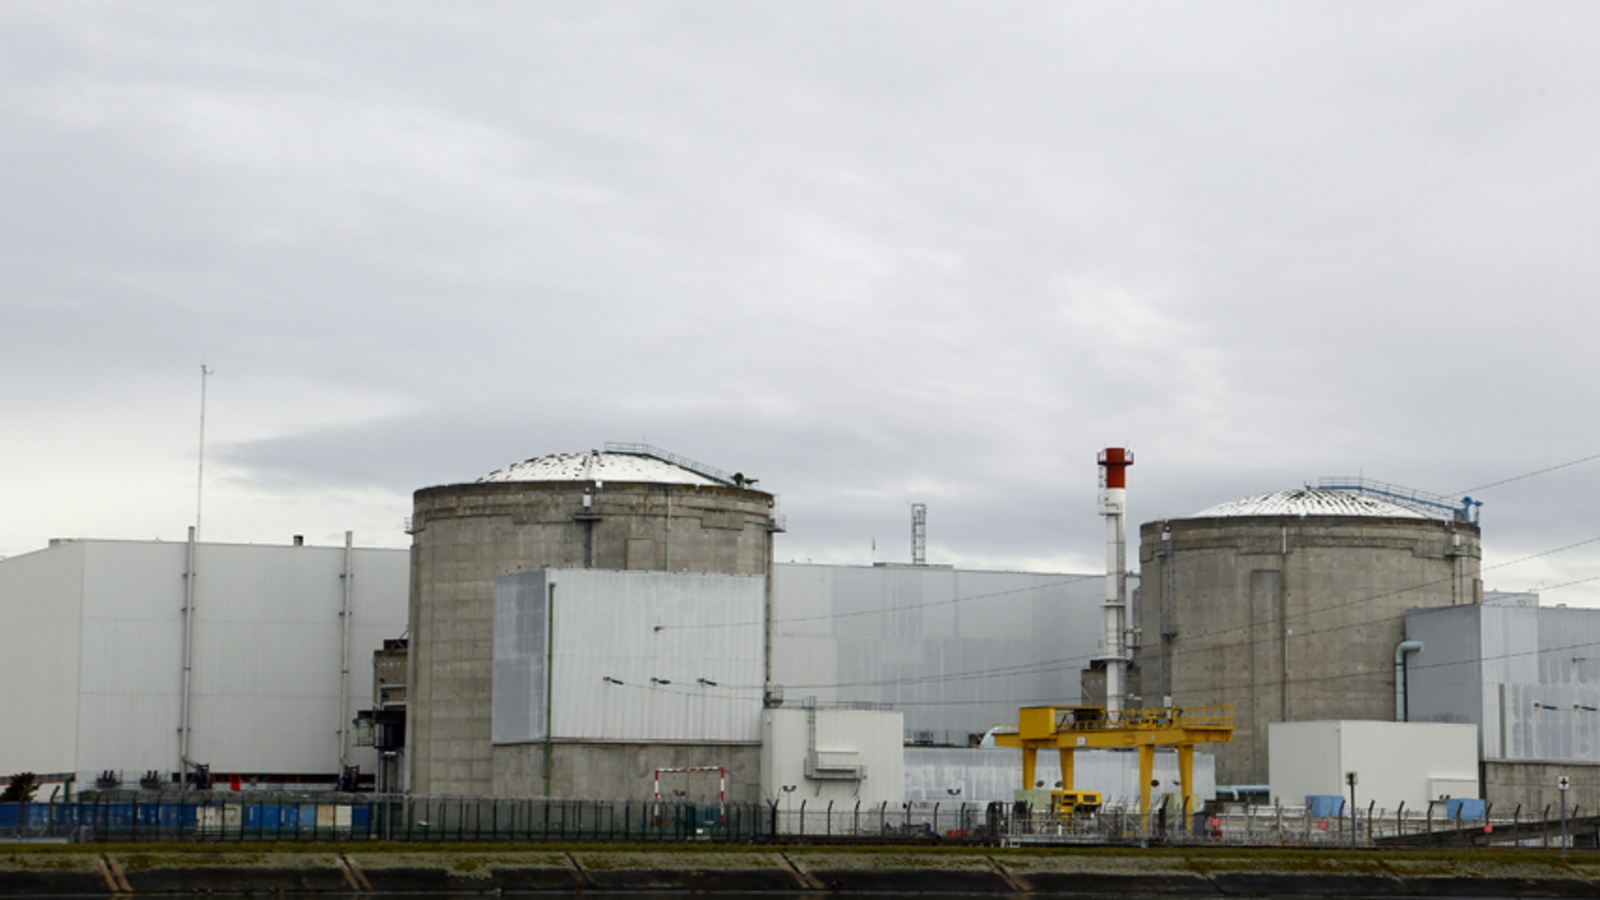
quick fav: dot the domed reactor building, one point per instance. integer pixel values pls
(630, 507)
(1290, 606)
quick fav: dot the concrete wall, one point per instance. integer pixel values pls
(624, 771)
(1533, 785)
(1394, 762)
(1289, 618)
(466, 535)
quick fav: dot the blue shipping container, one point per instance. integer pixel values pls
(1468, 809)
(1324, 806)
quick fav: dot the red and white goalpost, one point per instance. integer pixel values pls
(722, 787)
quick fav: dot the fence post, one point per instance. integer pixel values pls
(802, 818)
(828, 825)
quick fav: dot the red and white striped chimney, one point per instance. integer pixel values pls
(1114, 463)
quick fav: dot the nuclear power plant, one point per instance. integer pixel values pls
(575, 625)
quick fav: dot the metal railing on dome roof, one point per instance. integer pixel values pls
(1434, 505)
(727, 479)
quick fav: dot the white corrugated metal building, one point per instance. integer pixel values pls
(637, 656)
(1529, 678)
(92, 665)
(957, 651)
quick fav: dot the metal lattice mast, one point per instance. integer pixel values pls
(919, 534)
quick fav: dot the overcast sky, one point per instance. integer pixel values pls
(872, 253)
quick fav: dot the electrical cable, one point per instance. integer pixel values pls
(1493, 484)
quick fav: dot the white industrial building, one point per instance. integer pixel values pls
(1394, 762)
(1528, 678)
(828, 757)
(655, 670)
(957, 651)
(92, 677)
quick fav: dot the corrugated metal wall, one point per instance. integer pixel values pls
(1534, 673)
(956, 651)
(41, 606)
(638, 656)
(266, 661)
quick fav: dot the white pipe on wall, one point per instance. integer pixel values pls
(1401, 713)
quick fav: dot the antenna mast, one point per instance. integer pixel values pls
(919, 534)
(200, 475)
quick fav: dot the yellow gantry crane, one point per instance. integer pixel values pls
(1067, 729)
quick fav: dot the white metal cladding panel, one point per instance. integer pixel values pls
(520, 610)
(1444, 680)
(41, 606)
(957, 651)
(1396, 761)
(1510, 644)
(1552, 722)
(267, 661)
(673, 627)
(1303, 759)
(1569, 645)
(873, 736)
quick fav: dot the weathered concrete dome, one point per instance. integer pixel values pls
(1309, 502)
(598, 466)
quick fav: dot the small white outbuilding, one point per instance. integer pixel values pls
(1394, 762)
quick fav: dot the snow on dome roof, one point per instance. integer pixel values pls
(1309, 502)
(597, 466)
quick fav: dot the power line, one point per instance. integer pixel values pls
(1484, 487)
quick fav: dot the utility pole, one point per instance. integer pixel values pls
(1564, 784)
(1350, 779)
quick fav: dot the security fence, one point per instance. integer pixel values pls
(263, 816)
(251, 816)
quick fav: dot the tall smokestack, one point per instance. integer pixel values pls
(1114, 462)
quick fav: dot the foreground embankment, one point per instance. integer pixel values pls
(376, 868)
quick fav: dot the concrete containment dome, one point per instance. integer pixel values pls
(597, 466)
(629, 507)
(1289, 606)
(1309, 502)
